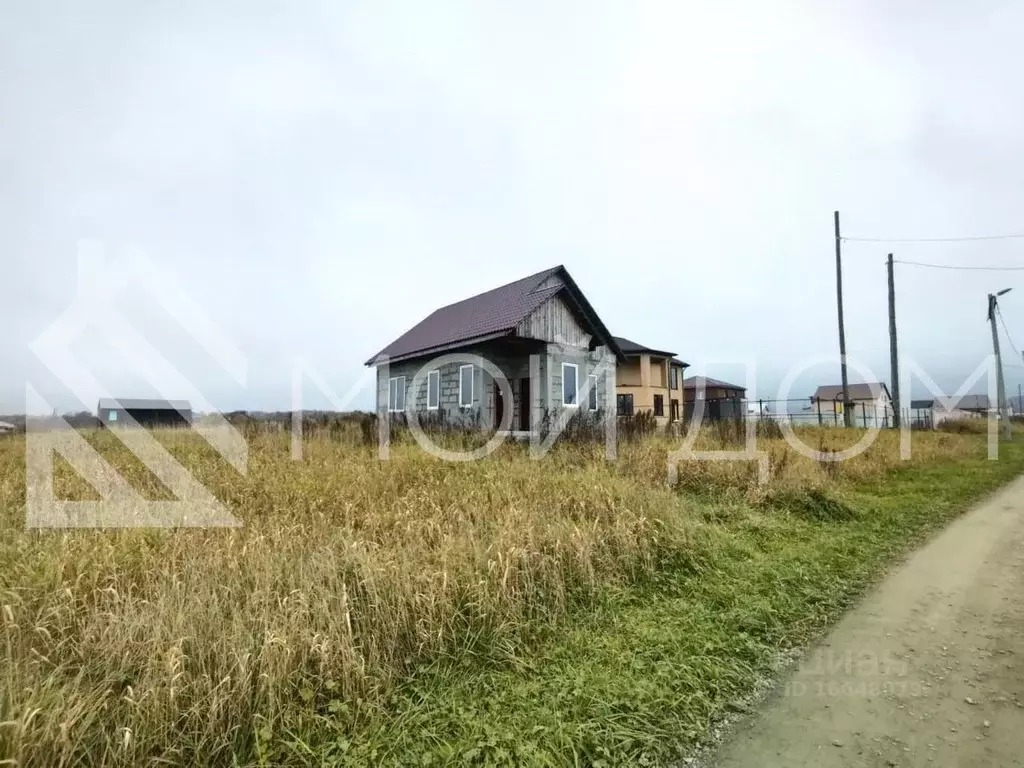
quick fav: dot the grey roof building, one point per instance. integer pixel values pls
(706, 382)
(870, 390)
(545, 314)
(143, 412)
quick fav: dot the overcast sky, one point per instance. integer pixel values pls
(320, 176)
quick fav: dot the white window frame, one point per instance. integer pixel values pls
(436, 376)
(576, 378)
(472, 385)
(592, 395)
(392, 407)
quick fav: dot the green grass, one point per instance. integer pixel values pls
(638, 680)
(413, 612)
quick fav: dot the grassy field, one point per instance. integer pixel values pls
(507, 611)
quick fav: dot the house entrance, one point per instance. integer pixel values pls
(524, 405)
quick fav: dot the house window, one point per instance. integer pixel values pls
(592, 395)
(674, 414)
(433, 390)
(674, 378)
(465, 386)
(624, 405)
(396, 394)
(659, 405)
(111, 415)
(570, 385)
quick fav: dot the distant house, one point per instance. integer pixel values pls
(934, 411)
(120, 412)
(975, 404)
(6, 426)
(721, 399)
(922, 413)
(648, 379)
(545, 314)
(870, 403)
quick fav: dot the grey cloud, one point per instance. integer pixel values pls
(321, 175)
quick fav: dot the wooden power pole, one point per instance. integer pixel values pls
(1000, 388)
(894, 359)
(847, 416)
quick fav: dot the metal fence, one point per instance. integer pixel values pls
(802, 411)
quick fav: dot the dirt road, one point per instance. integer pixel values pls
(929, 670)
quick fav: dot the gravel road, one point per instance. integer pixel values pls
(928, 670)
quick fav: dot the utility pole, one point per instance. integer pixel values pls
(894, 360)
(847, 417)
(1000, 390)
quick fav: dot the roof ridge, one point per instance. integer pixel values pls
(492, 312)
(542, 274)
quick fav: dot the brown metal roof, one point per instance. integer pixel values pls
(708, 383)
(632, 349)
(489, 314)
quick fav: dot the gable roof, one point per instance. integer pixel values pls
(143, 404)
(868, 390)
(708, 383)
(972, 403)
(632, 349)
(490, 314)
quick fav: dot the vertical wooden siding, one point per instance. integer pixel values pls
(554, 321)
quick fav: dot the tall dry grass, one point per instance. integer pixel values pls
(196, 646)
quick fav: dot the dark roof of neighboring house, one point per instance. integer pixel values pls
(965, 403)
(488, 315)
(708, 383)
(632, 349)
(972, 403)
(143, 404)
(869, 390)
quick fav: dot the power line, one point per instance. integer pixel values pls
(1013, 236)
(1007, 331)
(956, 266)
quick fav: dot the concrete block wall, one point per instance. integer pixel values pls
(545, 390)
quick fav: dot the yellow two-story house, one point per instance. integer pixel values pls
(649, 380)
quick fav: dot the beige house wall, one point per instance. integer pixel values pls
(644, 377)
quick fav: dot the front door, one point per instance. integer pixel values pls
(499, 406)
(524, 405)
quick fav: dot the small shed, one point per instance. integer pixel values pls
(722, 400)
(922, 413)
(114, 412)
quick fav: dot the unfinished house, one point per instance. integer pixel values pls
(539, 333)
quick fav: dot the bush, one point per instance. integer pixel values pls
(637, 425)
(964, 426)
